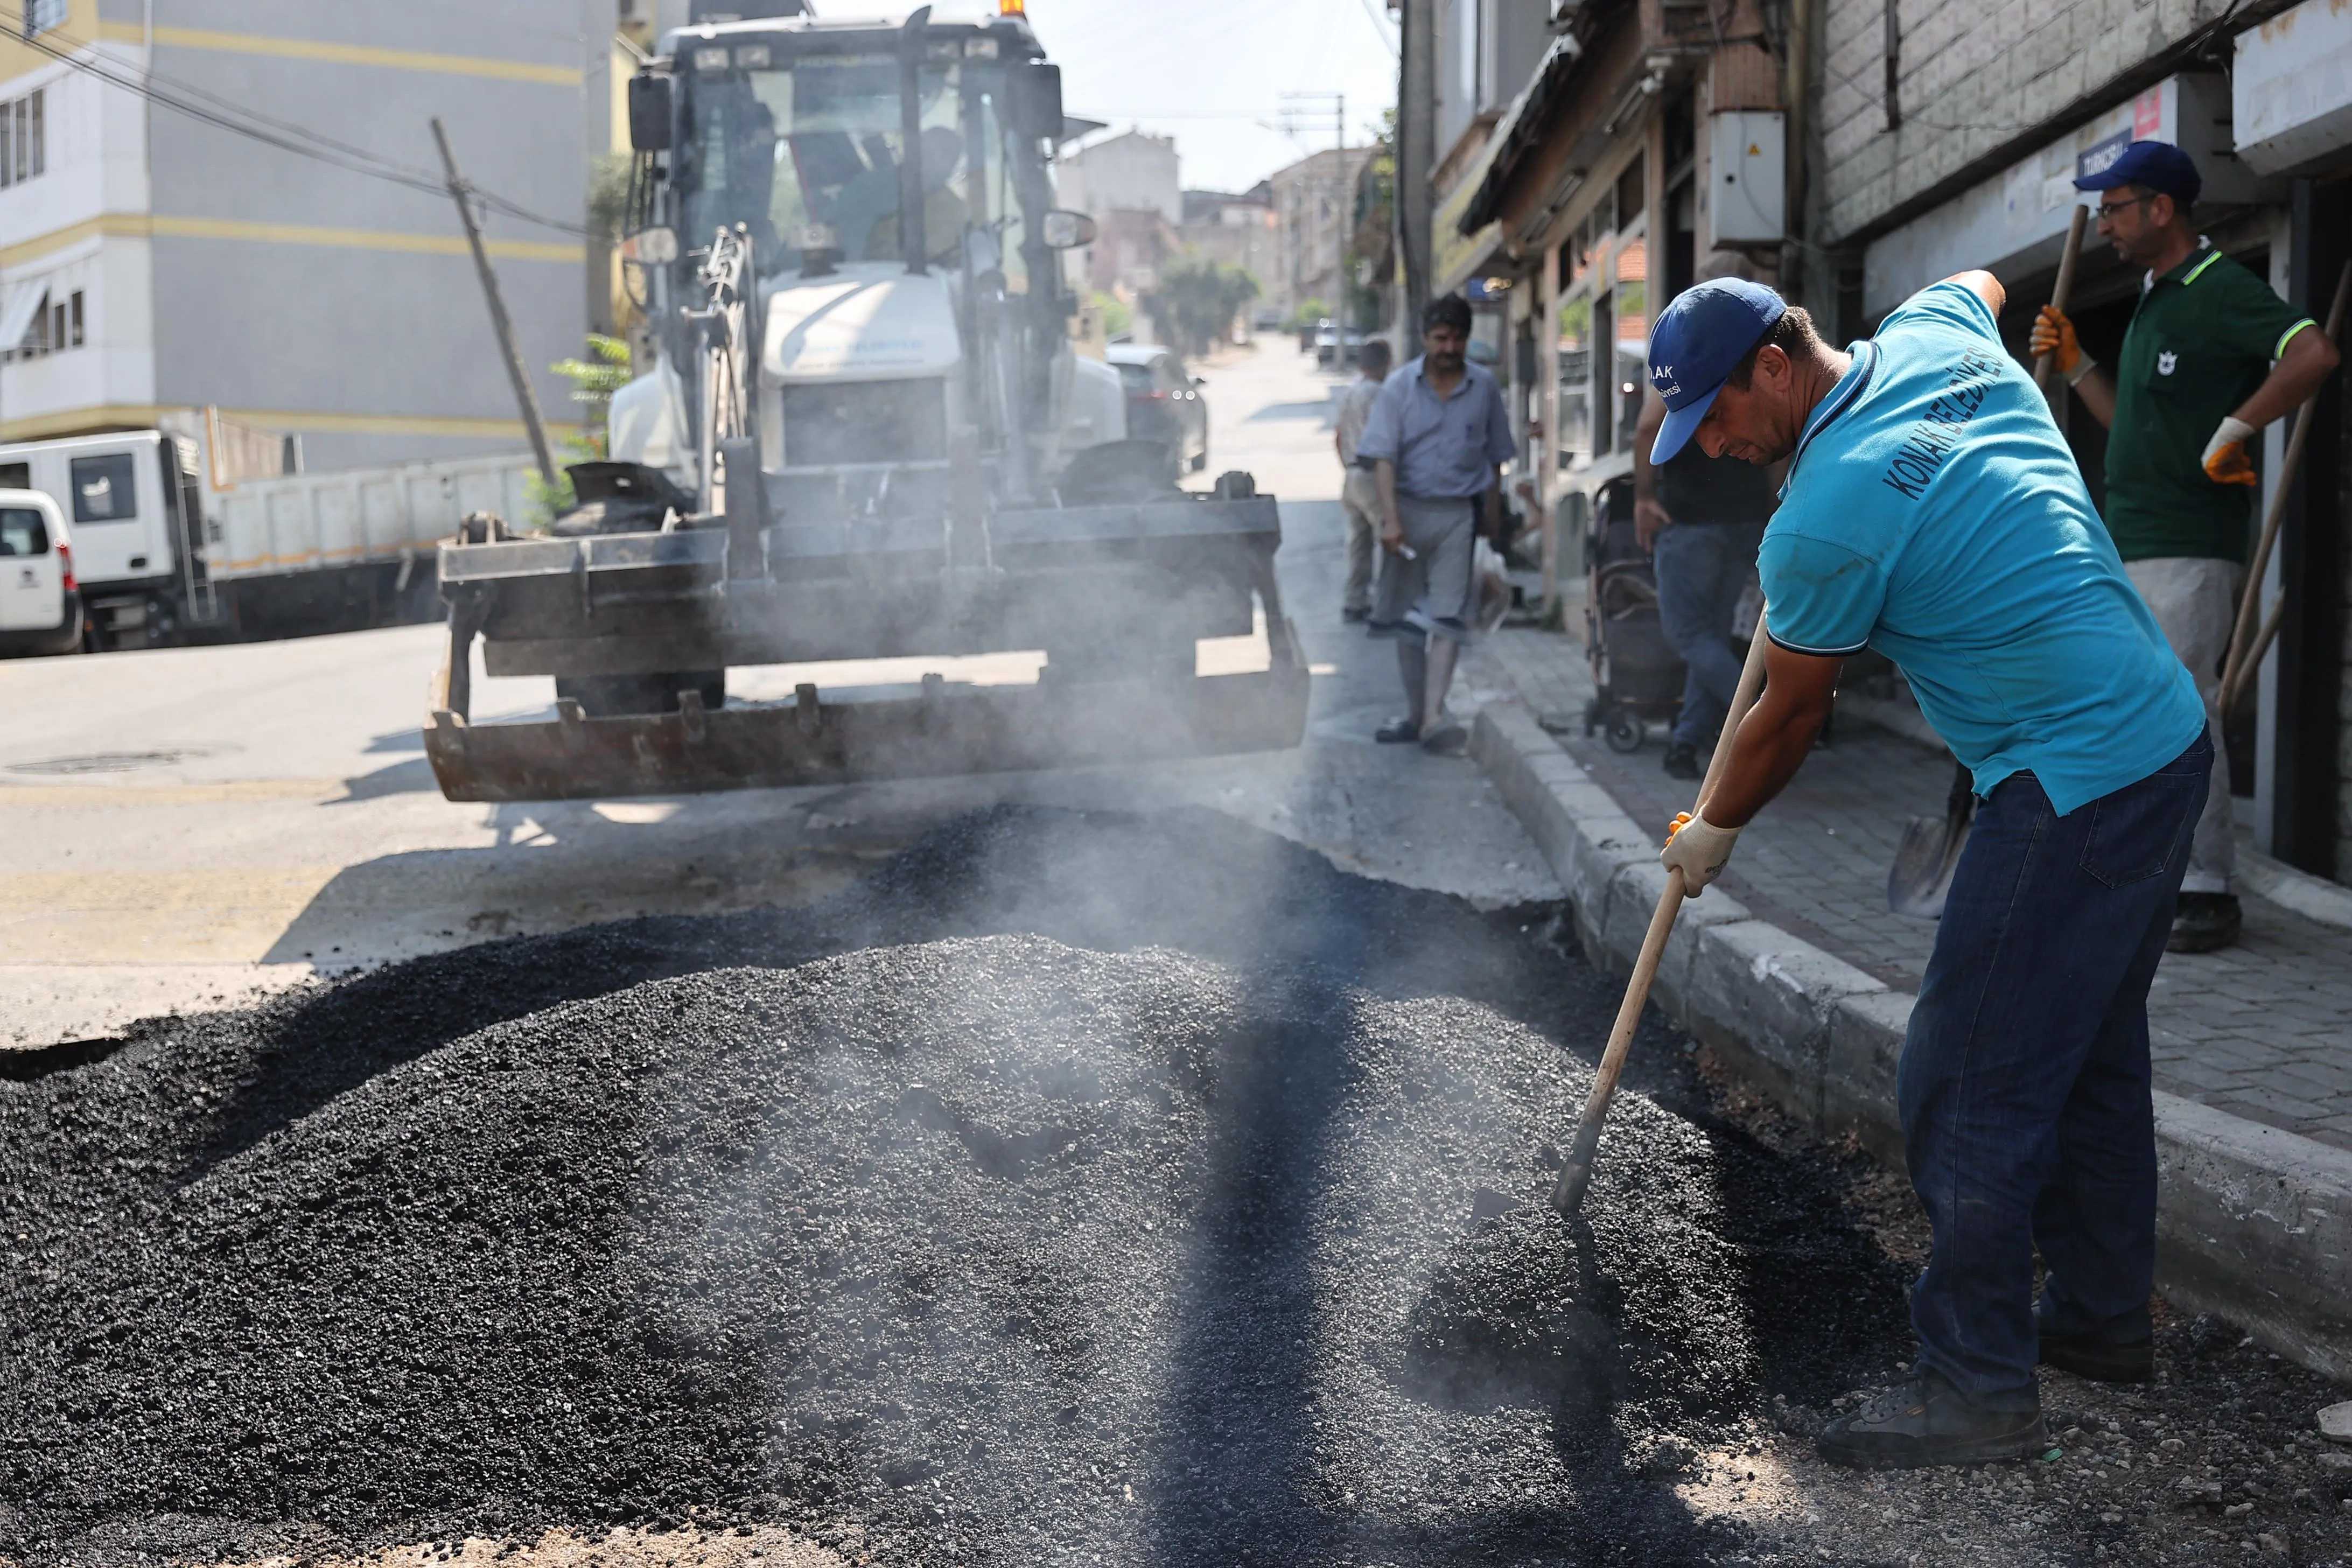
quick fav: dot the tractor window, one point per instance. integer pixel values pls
(103, 491)
(23, 531)
(818, 143)
(1004, 210)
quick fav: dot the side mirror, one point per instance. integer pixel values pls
(651, 246)
(1062, 229)
(1037, 100)
(649, 114)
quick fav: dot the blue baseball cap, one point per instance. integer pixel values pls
(2158, 165)
(1699, 340)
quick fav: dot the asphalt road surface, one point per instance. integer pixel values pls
(183, 827)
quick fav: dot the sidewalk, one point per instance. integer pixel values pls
(1795, 967)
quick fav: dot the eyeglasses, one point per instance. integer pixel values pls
(2109, 209)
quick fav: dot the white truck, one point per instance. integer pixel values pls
(166, 554)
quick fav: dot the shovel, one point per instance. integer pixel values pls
(1576, 1169)
(1921, 877)
(1930, 851)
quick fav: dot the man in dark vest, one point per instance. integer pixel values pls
(1702, 519)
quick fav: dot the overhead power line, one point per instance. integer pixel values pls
(186, 98)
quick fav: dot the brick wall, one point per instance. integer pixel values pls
(1979, 82)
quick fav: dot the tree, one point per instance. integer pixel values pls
(1199, 298)
(1117, 320)
(594, 381)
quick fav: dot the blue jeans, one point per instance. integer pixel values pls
(2024, 1082)
(1701, 568)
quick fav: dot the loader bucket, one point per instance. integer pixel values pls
(946, 730)
(1119, 596)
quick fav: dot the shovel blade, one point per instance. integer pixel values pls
(1921, 878)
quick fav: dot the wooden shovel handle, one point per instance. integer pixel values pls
(2045, 365)
(1576, 1172)
(2237, 670)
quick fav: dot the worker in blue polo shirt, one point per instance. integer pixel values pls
(1933, 511)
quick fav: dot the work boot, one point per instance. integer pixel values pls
(2121, 1351)
(1682, 761)
(1925, 1420)
(2203, 922)
(1355, 612)
(1397, 732)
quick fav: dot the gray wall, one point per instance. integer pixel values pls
(1972, 81)
(329, 329)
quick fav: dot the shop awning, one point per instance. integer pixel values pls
(1456, 255)
(17, 311)
(1518, 132)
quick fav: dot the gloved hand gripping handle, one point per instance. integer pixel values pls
(1576, 1173)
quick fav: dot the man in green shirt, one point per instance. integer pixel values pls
(2211, 356)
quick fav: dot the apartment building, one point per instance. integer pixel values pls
(155, 260)
(1315, 217)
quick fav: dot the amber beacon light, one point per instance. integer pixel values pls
(1013, 7)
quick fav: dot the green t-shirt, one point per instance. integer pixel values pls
(2201, 342)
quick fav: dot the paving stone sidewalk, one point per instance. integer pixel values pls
(2261, 1030)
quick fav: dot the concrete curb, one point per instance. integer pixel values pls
(2254, 1224)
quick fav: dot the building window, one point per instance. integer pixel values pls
(23, 138)
(43, 14)
(55, 325)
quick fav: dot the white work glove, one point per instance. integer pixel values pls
(1699, 849)
(2225, 458)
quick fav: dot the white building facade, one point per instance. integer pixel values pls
(1132, 172)
(152, 261)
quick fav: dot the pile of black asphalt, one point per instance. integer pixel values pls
(1077, 1188)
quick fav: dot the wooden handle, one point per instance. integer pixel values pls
(2063, 289)
(1576, 1173)
(2234, 669)
(2234, 689)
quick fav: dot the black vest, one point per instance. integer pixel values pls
(1696, 489)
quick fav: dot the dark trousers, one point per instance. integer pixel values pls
(1701, 568)
(2024, 1082)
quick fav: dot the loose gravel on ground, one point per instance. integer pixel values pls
(1077, 1189)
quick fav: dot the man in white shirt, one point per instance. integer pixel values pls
(1360, 488)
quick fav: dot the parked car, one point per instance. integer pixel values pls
(1163, 402)
(1334, 348)
(40, 602)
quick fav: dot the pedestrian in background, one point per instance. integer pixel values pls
(2194, 383)
(1359, 487)
(1701, 519)
(1438, 435)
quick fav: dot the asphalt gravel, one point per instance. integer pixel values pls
(1079, 1188)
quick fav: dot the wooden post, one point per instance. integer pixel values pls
(500, 324)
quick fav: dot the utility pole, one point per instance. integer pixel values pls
(500, 324)
(1309, 104)
(1416, 153)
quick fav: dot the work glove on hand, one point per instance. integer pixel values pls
(2226, 462)
(1700, 848)
(2053, 335)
